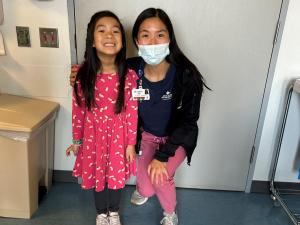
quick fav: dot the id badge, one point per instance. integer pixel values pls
(140, 94)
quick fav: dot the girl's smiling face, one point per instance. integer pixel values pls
(152, 31)
(107, 37)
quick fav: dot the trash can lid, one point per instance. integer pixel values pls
(19, 113)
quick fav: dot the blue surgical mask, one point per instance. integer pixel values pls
(154, 54)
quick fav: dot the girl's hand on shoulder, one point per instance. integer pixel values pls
(74, 71)
(130, 153)
(72, 148)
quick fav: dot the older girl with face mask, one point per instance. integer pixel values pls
(171, 88)
(169, 93)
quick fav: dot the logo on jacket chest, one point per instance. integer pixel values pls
(167, 96)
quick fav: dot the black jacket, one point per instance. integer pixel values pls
(183, 128)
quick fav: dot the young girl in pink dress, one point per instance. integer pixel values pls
(104, 116)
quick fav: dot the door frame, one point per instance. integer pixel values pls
(267, 89)
(268, 85)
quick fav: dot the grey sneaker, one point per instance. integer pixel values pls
(137, 198)
(102, 219)
(114, 218)
(169, 219)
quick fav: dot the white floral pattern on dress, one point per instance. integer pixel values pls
(101, 158)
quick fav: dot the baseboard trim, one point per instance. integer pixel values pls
(256, 187)
(64, 176)
(264, 186)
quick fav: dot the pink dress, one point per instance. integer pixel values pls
(101, 159)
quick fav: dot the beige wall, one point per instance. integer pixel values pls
(39, 72)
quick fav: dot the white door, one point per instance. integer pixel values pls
(231, 43)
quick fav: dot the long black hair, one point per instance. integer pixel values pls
(91, 65)
(176, 56)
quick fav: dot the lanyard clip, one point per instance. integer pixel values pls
(140, 83)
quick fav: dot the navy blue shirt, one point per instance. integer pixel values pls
(156, 112)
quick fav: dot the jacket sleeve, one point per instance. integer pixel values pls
(78, 114)
(131, 108)
(185, 133)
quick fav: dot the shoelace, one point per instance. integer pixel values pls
(167, 220)
(101, 220)
(114, 220)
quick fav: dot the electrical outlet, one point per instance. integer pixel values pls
(23, 36)
(49, 37)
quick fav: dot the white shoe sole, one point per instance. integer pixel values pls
(139, 203)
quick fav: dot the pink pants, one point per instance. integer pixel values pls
(166, 192)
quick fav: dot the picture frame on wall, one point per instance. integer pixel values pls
(1, 13)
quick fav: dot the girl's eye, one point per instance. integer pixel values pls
(116, 31)
(101, 31)
(144, 35)
(161, 35)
